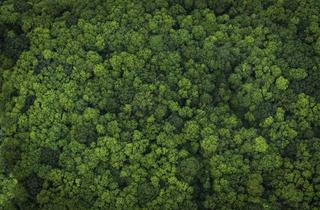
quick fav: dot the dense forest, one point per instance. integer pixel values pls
(159, 104)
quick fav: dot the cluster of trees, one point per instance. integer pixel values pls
(159, 104)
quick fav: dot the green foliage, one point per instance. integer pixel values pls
(168, 104)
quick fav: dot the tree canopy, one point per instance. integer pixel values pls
(159, 104)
